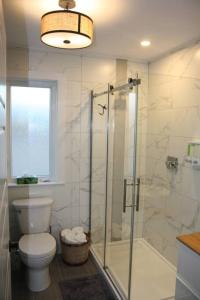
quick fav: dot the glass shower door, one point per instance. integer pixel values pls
(122, 186)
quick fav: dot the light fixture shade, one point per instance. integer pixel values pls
(66, 29)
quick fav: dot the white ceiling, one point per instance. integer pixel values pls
(120, 25)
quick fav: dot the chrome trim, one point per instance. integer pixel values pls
(131, 83)
(133, 194)
(91, 148)
(106, 202)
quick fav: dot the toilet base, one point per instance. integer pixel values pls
(38, 279)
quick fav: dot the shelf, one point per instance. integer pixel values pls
(51, 183)
(192, 241)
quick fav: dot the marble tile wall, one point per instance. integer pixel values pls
(172, 199)
(76, 76)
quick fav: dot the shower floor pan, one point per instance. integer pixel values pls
(153, 277)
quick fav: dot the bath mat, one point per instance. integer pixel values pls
(87, 288)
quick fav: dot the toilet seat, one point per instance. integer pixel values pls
(37, 245)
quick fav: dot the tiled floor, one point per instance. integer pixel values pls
(59, 272)
(153, 277)
(182, 293)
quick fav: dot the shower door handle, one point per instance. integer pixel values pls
(137, 205)
(124, 200)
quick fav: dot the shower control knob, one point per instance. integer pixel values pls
(172, 163)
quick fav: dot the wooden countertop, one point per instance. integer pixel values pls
(192, 241)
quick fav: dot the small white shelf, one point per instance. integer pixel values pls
(49, 183)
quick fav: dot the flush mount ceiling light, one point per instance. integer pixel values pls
(65, 28)
(145, 43)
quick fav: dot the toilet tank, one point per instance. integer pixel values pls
(33, 214)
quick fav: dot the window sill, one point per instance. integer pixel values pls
(51, 183)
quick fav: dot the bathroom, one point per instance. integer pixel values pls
(112, 136)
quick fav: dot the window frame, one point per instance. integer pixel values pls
(52, 85)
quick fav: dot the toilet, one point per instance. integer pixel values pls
(37, 247)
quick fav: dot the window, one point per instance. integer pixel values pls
(31, 129)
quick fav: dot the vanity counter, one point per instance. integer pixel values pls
(188, 269)
(191, 241)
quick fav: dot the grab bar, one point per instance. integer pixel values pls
(137, 205)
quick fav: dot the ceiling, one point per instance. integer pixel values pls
(120, 25)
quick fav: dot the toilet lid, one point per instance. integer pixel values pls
(38, 245)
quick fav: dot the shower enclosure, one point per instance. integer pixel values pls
(116, 200)
(114, 184)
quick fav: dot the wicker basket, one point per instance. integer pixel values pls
(75, 255)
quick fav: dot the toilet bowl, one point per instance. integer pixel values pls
(37, 251)
(36, 247)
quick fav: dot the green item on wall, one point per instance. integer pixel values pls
(27, 180)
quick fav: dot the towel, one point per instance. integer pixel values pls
(69, 241)
(74, 236)
(65, 232)
(80, 238)
(78, 230)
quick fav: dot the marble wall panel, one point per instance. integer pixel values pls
(172, 198)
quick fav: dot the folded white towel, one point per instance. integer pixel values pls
(80, 238)
(69, 241)
(65, 232)
(78, 230)
(74, 236)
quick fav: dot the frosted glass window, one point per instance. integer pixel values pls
(30, 130)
